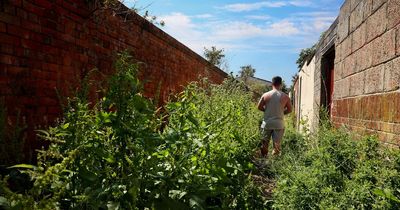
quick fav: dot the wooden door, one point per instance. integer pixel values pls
(331, 87)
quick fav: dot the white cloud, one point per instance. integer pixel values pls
(259, 17)
(240, 7)
(206, 30)
(237, 30)
(301, 3)
(204, 16)
(283, 28)
(178, 19)
(244, 7)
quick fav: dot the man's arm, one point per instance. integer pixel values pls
(288, 107)
(261, 104)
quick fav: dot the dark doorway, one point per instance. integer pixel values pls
(328, 79)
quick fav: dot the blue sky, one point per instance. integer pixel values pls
(267, 34)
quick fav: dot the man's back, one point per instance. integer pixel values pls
(275, 102)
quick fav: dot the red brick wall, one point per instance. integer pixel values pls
(367, 68)
(51, 44)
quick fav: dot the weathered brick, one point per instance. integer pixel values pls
(18, 31)
(348, 66)
(29, 6)
(388, 108)
(376, 24)
(368, 8)
(357, 108)
(17, 3)
(369, 111)
(396, 117)
(10, 19)
(338, 71)
(357, 83)
(384, 47)
(354, 4)
(9, 9)
(346, 46)
(393, 14)
(377, 107)
(346, 87)
(388, 127)
(374, 79)
(337, 93)
(22, 13)
(378, 3)
(359, 37)
(357, 61)
(343, 108)
(31, 26)
(392, 75)
(3, 27)
(396, 129)
(57, 53)
(363, 102)
(343, 28)
(398, 40)
(15, 71)
(339, 57)
(356, 16)
(44, 3)
(366, 56)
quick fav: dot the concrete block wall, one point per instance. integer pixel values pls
(49, 45)
(367, 68)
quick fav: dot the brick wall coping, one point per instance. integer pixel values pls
(330, 35)
(150, 27)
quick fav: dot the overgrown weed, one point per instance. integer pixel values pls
(332, 170)
(113, 154)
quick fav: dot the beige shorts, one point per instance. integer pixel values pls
(275, 134)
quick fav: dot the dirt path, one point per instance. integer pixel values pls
(263, 177)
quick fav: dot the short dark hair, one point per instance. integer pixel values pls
(277, 81)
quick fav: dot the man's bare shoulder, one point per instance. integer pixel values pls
(285, 96)
(267, 95)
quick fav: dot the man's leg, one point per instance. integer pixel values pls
(277, 136)
(266, 136)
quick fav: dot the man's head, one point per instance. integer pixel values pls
(277, 82)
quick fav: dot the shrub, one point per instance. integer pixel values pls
(122, 153)
(332, 170)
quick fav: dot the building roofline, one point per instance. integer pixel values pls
(264, 80)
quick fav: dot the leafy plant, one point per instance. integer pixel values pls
(121, 154)
(330, 170)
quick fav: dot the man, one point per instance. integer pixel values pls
(275, 104)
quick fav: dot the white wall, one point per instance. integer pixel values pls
(305, 99)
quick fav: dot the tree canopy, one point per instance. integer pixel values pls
(246, 72)
(214, 56)
(304, 55)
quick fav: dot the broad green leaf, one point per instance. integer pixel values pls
(25, 166)
(65, 126)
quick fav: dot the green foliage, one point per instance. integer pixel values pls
(11, 138)
(259, 88)
(246, 72)
(215, 56)
(121, 154)
(330, 170)
(305, 55)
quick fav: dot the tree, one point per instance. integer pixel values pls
(246, 72)
(305, 55)
(284, 87)
(215, 56)
(294, 79)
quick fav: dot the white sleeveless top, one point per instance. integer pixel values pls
(274, 112)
